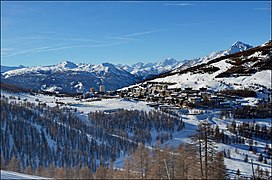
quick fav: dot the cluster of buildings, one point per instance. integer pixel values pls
(163, 92)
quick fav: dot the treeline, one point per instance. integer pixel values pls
(40, 136)
(251, 130)
(261, 110)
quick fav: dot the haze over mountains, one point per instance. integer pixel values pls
(70, 77)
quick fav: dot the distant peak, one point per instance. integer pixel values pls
(21, 66)
(168, 61)
(106, 64)
(68, 64)
(238, 42)
(238, 46)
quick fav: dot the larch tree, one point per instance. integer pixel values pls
(14, 165)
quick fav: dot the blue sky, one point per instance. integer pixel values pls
(45, 33)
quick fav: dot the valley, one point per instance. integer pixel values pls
(102, 129)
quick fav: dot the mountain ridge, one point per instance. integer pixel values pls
(70, 77)
(244, 69)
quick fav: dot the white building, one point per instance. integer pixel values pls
(102, 88)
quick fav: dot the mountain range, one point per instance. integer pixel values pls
(70, 77)
(248, 69)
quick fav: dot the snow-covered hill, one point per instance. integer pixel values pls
(237, 151)
(8, 68)
(15, 175)
(70, 77)
(238, 46)
(248, 69)
(146, 70)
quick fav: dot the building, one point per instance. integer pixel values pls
(102, 88)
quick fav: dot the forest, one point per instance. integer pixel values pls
(59, 142)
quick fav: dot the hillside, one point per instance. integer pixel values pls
(247, 69)
(16, 175)
(148, 70)
(79, 133)
(69, 77)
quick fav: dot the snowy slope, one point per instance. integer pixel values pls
(70, 77)
(237, 151)
(238, 46)
(145, 70)
(15, 175)
(247, 70)
(8, 68)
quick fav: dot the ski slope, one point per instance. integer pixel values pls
(15, 175)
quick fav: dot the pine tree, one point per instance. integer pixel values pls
(238, 173)
(228, 154)
(246, 158)
(260, 158)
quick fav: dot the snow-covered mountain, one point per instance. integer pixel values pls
(247, 69)
(238, 46)
(70, 77)
(146, 70)
(8, 68)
